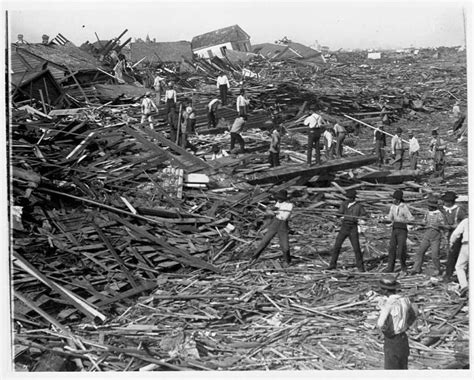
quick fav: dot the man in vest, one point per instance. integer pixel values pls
(453, 215)
(350, 211)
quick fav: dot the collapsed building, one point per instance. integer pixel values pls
(129, 253)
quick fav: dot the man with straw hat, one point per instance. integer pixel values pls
(397, 314)
(434, 220)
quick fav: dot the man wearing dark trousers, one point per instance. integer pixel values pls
(399, 215)
(397, 314)
(350, 211)
(314, 122)
(453, 215)
(223, 86)
(235, 136)
(212, 108)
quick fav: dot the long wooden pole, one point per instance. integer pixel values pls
(368, 125)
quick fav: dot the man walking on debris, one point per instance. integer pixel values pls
(399, 215)
(453, 214)
(188, 125)
(212, 108)
(223, 86)
(397, 314)
(147, 107)
(413, 150)
(235, 136)
(438, 148)
(397, 149)
(329, 142)
(380, 144)
(340, 133)
(434, 221)
(278, 226)
(170, 97)
(351, 212)
(158, 86)
(314, 122)
(275, 147)
(242, 103)
(462, 232)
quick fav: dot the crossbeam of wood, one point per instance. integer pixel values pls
(287, 173)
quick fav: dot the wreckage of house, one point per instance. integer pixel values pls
(130, 252)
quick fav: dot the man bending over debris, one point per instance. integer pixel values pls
(397, 314)
(279, 225)
(350, 211)
(314, 122)
(212, 108)
(399, 215)
(147, 106)
(235, 136)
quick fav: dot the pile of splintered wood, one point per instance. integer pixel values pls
(112, 272)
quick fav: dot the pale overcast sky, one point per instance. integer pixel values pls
(337, 24)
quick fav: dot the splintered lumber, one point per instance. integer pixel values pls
(170, 251)
(390, 176)
(287, 173)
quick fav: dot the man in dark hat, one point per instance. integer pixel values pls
(397, 149)
(279, 225)
(351, 212)
(397, 314)
(453, 215)
(434, 221)
(438, 150)
(399, 215)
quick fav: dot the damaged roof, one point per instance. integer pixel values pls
(161, 51)
(282, 51)
(232, 33)
(67, 56)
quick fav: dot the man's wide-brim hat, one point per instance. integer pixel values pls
(449, 196)
(282, 195)
(389, 283)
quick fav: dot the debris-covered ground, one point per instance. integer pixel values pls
(131, 253)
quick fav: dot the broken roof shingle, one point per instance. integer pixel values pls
(232, 33)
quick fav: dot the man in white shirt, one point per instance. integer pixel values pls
(397, 148)
(279, 225)
(461, 264)
(413, 150)
(170, 97)
(223, 86)
(329, 142)
(147, 107)
(314, 122)
(242, 103)
(456, 110)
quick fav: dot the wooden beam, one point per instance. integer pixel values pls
(287, 173)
